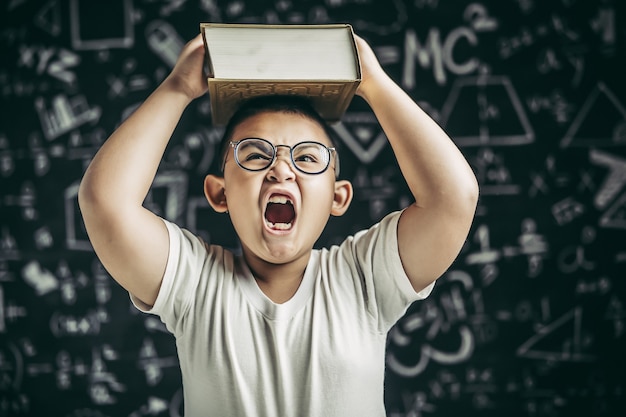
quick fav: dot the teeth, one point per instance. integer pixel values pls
(280, 226)
(277, 199)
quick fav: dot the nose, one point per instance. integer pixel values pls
(281, 169)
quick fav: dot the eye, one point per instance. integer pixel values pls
(256, 155)
(310, 153)
(307, 157)
(255, 150)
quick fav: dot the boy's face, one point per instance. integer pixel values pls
(279, 212)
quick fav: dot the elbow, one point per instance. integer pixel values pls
(473, 192)
(85, 194)
(83, 190)
(463, 201)
(468, 190)
(464, 192)
(86, 201)
(87, 204)
(90, 198)
(470, 196)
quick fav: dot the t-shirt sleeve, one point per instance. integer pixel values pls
(383, 282)
(186, 257)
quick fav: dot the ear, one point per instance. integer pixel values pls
(214, 192)
(343, 197)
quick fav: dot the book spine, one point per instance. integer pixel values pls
(330, 98)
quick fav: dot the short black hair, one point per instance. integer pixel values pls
(290, 104)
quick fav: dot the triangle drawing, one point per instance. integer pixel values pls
(486, 111)
(560, 340)
(601, 121)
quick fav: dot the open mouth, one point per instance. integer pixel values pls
(279, 213)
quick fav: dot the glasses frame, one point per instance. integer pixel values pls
(235, 145)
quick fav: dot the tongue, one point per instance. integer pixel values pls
(279, 213)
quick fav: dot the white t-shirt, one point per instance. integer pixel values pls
(321, 353)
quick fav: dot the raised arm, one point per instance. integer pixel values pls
(432, 230)
(130, 241)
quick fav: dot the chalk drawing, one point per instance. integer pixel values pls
(615, 216)
(428, 353)
(361, 133)
(486, 110)
(601, 105)
(614, 182)
(572, 258)
(572, 343)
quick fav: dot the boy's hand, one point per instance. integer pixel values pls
(370, 67)
(188, 74)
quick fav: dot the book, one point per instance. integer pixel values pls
(320, 62)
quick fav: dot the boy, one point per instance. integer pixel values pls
(282, 329)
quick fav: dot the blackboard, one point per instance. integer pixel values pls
(529, 321)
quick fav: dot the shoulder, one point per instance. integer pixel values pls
(367, 253)
(194, 269)
(184, 242)
(192, 261)
(381, 236)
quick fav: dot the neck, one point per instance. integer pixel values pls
(279, 282)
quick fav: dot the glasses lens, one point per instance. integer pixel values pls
(311, 157)
(254, 154)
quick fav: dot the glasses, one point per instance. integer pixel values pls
(256, 154)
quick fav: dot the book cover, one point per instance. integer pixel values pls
(319, 62)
